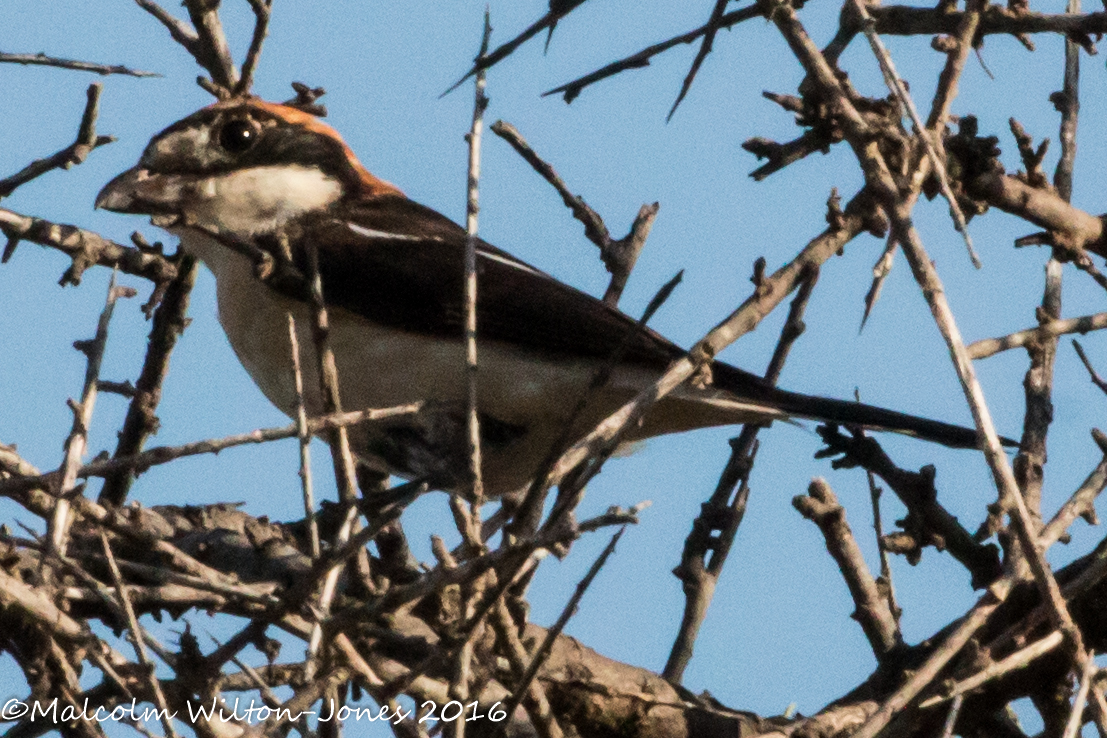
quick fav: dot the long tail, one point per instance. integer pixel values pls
(750, 387)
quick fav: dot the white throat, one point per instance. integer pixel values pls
(247, 202)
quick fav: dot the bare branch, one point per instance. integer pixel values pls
(922, 133)
(75, 153)
(619, 257)
(1096, 379)
(471, 531)
(261, 10)
(169, 322)
(820, 506)
(85, 248)
(543, 650)
(1082, 501)
(181, 32)
(137, 636)
(570, 90)
(984, 348)
(214, 54)
(720, 513)
(558, 10)
(41, 59)
(1018, 660)
(77, 441)
(164, 454)
(705, 49)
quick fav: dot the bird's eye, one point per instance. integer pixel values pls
(237, 136)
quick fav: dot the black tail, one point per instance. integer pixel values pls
(843, 412)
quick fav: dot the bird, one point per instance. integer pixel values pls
(253, 188)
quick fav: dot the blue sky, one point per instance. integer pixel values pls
(778, 631)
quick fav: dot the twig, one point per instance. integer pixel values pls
(85, 248)
(986, 347)
(878, 528)
(951, 717)
(1096, 379)
(1030, 463)
(41, 59)
(902, 20)
(77, 442)
(895, 84)
(881, 269)
(917, 491)
(1038, 382)
(261, 10)
(543, 650)
(75, 153)
(215, 55)
(164, 454)
(570, 90)
(1082, 501)
(181, 32)
(1018, 660)
(304, 435)
(780, 155)
(1076, 717)
(535, 702)
(944, 95)
(472, 209)
(964, 31)
(306, 98)
(169, 322)
(720, 513)
(342, 460)
(329, 385)
(705, 49)
(137, 638)
(1067, 102)
(619, 256)
(467, 512)
(558, 10)
(820, 506)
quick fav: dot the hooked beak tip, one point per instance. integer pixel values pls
(119, 194)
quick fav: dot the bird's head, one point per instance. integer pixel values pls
(242, 168)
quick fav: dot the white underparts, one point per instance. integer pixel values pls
(257, 200)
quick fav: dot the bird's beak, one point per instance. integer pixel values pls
(140, 191)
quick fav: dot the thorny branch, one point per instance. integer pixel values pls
(41, 59)
(714, 530)
(75, 153)
(423, 633)
(619, 256)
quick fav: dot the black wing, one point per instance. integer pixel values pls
(401, 264)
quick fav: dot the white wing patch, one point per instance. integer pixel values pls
(509, 262)
(385, 235)
(373, 233)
